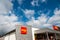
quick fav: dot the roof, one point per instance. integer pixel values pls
(4, 29)
(2, 33)
(44, 30)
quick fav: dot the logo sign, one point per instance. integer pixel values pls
(23, 30)
(55, 27)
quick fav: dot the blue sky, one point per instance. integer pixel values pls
(27, 11)
(45, 6)
(38, 13)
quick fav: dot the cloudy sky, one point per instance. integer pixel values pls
(38, 13)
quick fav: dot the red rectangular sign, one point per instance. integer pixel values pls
(55, 27)
(23, 30)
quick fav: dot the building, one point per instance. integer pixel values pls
(9, 36)
(47, 34)
(12, 35)
(37, 34)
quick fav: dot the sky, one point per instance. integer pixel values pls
(37, 13)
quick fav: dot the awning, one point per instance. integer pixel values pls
(44, 30)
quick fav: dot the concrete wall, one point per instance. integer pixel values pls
(27, 36)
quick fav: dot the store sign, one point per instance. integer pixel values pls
(23, 30)
(55, 27)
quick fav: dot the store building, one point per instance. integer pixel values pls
(9, 36)
(47, 34)
(37, 34)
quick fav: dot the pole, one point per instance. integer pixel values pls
(55, 36)
(47, 36)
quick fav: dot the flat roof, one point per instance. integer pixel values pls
(44, 30)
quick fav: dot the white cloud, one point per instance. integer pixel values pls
(44, 21)
(7, 23)
(43, 18)
(11, 18)
(33, 22)
(43, 0)
(20, 1)
(5, 6)
(57, 11)
(35, 3)
(55, 19)
(29, 13)
(47, 25)
(39, 22)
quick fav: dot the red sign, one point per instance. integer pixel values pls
(23, 30)
(55, 27)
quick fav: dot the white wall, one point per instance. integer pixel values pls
(1, 38)
(6, 37)
(11, 36)
(33, 29)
